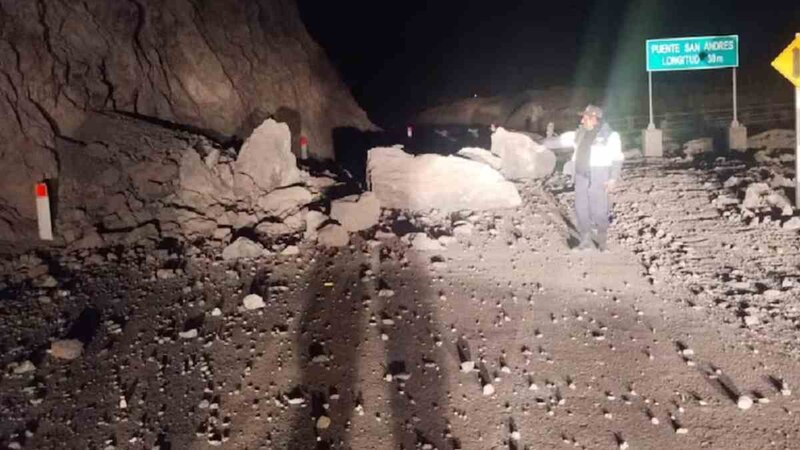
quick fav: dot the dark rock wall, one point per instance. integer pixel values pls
(215, 67)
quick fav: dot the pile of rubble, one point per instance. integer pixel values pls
(139, 182)
(727, 232)
(473, 179)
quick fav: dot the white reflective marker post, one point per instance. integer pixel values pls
(43, 213)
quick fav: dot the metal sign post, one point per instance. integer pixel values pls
(797, 135)
(735, 122)
(796, 72)
(788, 64)
(651, 125)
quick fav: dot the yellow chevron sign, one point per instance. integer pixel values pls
(788, 62)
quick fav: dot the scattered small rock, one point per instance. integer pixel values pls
(66, 349)
(253, 301)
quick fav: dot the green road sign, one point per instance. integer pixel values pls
(692, 53)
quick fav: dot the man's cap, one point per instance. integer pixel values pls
(593, 110)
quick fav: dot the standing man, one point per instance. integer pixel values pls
(597, 164)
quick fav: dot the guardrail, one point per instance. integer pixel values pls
(705, 121)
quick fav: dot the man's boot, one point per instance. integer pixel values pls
(585, 243)
(602, 240)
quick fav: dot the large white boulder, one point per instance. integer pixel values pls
(357, 212)
(265, 161)
(447, 183)
(522, 157)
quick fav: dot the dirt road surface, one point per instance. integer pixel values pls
(368, 347)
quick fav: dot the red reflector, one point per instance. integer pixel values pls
(303, 140)
(41, 190)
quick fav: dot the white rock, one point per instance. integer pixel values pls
(698, 146)
(421, 242)
(323, 422)
(333, 235)
(488, 389)
(792, 224)
(751, 320)
(188, 334)
(467, 366)
(284, 202)
(357, 212)
(24, 367)
(290, 250)
(313, 221)
(448, 183)
(216, 312)
(386, 293)
(265, 161)
(296, 400)
(463, 229)
(521, 157)
(759, 196)
(165, 274)
(66, 349)
(243, 248)
(46, 281)
(253, 301)
(744, 402)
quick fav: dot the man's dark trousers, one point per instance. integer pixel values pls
(591, 201)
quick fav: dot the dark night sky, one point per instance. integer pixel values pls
(398, 57)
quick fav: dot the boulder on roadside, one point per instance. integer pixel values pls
(357, 212)
(266, 161)
(448, 183)
(522, 158)
(243, 248)
(333, 235)
(760, 196)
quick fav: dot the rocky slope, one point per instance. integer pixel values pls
(216, 68)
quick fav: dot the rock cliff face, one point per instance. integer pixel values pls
(218, 68)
